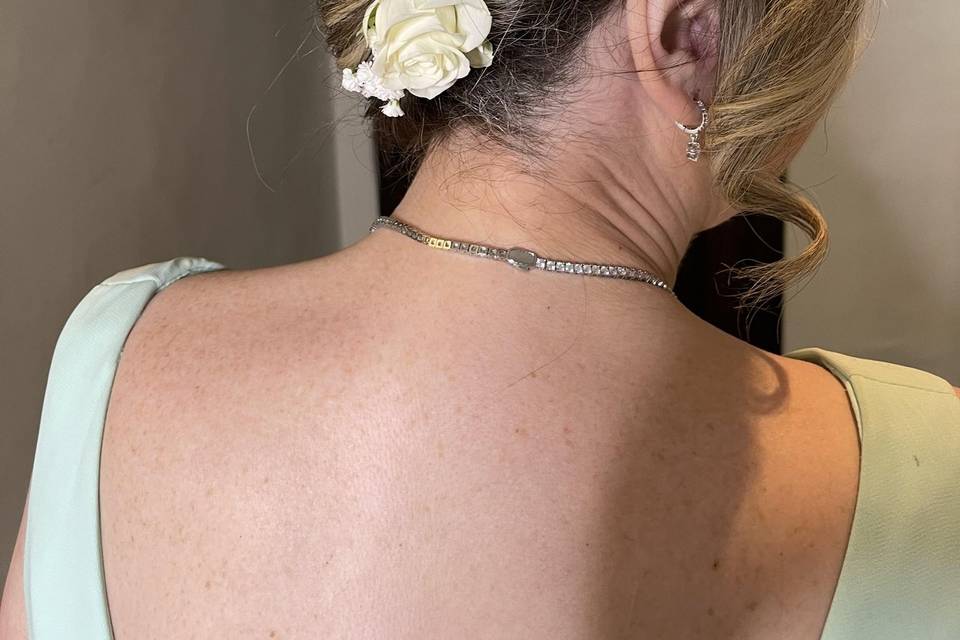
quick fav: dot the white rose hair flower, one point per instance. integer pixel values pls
(419, 46)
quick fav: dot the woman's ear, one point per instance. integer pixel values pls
(683, 37)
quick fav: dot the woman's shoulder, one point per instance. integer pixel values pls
(849, 367)
(98, 326)
(163, 273)
(205, 445)
(113, 305)
(84, 358)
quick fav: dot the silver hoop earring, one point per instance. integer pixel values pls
(693, 146)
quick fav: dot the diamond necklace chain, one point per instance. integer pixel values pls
(520, 258)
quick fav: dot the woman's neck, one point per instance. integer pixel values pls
(584, 208)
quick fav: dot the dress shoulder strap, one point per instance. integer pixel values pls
(900, 577)
(64, 587)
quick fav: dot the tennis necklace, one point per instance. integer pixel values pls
(520, 258)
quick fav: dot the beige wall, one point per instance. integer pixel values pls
(886, 171)
(123, 141)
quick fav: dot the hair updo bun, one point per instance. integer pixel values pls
(780, 65)
(534, 58)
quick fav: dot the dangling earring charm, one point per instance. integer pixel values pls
(693, 146)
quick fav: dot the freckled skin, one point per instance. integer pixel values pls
(290, 496)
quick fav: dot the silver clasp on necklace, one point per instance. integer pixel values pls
(522, 258)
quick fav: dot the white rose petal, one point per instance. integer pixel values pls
(474, 24)
(482, 56)
(473, 19)
(431, 24)
(426, 65)
(391, 13)
(422, 46)
(366, 29)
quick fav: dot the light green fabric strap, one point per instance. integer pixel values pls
(901, 575)
(64, 585)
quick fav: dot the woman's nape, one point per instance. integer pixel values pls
(607, 179)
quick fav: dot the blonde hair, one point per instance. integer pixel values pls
(780, 67)
(781, 62)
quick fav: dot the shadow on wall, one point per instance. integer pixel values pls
(883, 293)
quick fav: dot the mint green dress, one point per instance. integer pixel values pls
(900, 578)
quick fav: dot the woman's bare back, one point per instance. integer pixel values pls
(330, 449)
